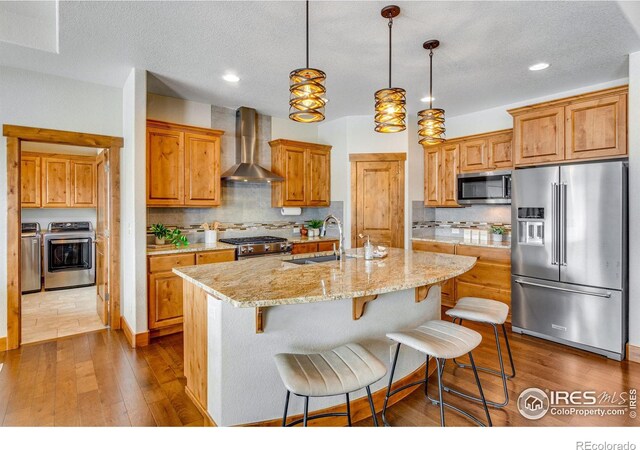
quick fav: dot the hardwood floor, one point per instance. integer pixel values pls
(95, 379)
(53, 314)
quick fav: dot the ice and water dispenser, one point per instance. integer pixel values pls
(531, 226)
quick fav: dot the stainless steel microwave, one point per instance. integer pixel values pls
(492, 188)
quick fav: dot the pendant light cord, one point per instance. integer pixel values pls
(307, 34)
(390, 27)
(431, 78)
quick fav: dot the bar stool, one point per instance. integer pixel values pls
(490, 312)
(441, 340)
(340, 371)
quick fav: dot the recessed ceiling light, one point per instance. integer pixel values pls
(539, 66)
(231, 78)
(426, 99)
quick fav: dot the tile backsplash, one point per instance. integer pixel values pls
(474, 213)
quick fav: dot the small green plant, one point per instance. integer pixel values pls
(498, 229)
(160, 231)
(177, 238)
(315, 224)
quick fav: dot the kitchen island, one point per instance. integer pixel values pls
(238, 315)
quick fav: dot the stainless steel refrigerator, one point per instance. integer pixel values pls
(569, 272)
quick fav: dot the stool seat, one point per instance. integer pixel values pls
(479, 310)
(339, 371)
(439, 339)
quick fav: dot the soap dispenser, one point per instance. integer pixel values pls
(368, 249)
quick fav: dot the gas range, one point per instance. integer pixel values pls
(248, 247)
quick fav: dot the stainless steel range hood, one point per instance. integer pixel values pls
(246, 168)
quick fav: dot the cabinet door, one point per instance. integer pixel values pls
(83, 184)
(165, 167)
(597, 128)
(294, 174)
(432, 182)
(318, 189)
(447, 289)
(449, 170)
(539, 137)
(202, 170)
(215, 257)
(56, 183)
(474, 156)
(30, 182)
(165, 299)
(500, 156)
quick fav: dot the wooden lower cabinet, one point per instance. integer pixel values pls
(165, 288)
(490, 277)
(312, 247)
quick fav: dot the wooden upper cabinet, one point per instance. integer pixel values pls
(30, 182)
(56, 182)
(432, 176)
(586, 126)
(202, 170)
(597, 128)
(449, 170)
(165, 167)
(474, 156)
(183, 165)
(83, 184)
(306, 169)
(499, 150)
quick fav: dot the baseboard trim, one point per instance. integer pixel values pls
(633, 353)
(3, 344)
(360, 409)
(208, 421)
(134, 340)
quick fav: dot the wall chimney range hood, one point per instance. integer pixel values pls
(246, 168)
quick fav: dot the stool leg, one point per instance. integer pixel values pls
(484, 401)
(506, 339)
(386, 397)
(348, 409)
(426, 378)
(503, 375)
(286, 408)
(372, 406)
(306, 411)
(440, 392)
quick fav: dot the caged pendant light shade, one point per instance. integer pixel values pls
(431, 128)
(307, 92)
(390, 102)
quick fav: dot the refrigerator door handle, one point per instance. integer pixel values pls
(554, 228)
(563, 224)
(556, 288)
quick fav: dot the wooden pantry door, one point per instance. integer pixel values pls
(102, 236)
(377, 198)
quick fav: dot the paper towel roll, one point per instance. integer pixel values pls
(291, 211)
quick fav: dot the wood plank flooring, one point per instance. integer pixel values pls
(95, 379)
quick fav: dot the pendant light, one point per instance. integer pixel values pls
(431, 121)
(390, 103)
(306, 85)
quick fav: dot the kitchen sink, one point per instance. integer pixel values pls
(312, 260)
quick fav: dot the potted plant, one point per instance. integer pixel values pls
(160, 232)
(315, 225)
(498, 232)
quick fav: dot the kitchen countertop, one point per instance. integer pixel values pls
(308, 240)
(462, 241)
(272, 281)
(191, 248)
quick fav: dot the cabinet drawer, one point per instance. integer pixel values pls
(166, 263)
(327, 246)
(502, 255)
(489, 274)
(215, 257)
(436, 247)
(476, 290)
(304, 248)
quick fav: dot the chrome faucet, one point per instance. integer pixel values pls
(335, 220)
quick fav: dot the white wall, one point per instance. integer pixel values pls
(634, 198)
(45, 215)
(133, 297)
(176, 110)
(39, 100)
(295, 131)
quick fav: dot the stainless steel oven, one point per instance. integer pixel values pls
(69, 255)
(485, 188)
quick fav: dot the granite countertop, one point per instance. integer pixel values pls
(191, 248)
(461, 241)
(273, 281)
(308, 240)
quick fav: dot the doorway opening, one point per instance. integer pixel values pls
(62, 233)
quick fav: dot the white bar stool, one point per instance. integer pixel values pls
(442, 340)
(340, 371)
(494, 313)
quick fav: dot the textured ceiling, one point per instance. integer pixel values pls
(482, 62)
